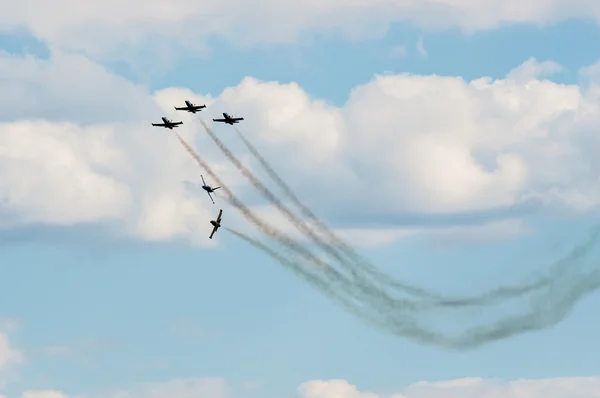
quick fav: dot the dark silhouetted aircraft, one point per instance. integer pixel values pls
(189, 107)
(208, 189)
(167, 124)
(216, 224)
(228, 119)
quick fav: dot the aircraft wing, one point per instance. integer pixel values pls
(159, 124)
(237, 118)
(219, 216)
(181, 109)
(213, 232)
(210, 196)
(176, 123)
(219, 120)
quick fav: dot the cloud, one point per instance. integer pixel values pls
(68, 87)
(82, 166)
(43, 394)
(405, 152)
(10, 358)
(567, 387)
(427, 144)
(8, 355)
(183, 24)
(531, 70)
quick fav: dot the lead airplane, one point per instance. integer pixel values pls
(228, 119)
(208, 189)
(216, 224)
(189, 107)
(167, 124)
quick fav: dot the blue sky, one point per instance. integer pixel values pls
(98, 313)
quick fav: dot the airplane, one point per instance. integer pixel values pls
(216, 224)
(228, 119)
(208, 189)
(167, 124)
(189, 107)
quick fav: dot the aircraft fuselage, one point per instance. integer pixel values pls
(215, 224)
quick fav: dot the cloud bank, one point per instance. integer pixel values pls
(110, 28)
(566, 387)
(404, 152)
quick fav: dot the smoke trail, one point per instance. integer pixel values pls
(358, 289)
(470, 338)
(362, 286)
(407, 329)
(489, 297)
(268, 230)
(350, 253)
(401, 317)
(319, 283)
(299, 224)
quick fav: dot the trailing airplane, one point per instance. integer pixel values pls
(228, 119)
(189, 107)
(216, 224)
(208, 189)
(167, 124)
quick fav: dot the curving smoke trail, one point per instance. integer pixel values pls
(489, 297)
(365, 292)
(357, 289)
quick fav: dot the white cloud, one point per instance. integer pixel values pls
(43, 394)
(68, 87)
(568, 387)
(403, 152)
(109, 27)
(531, 70)
(10, 358)
(565, 387)
(8, 355)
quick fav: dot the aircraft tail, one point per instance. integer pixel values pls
(215, 188)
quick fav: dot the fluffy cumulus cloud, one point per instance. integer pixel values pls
(405, 151)
(43, 394)
(581, 387)
(568, 387)
(110, 27)
(10, 358)
(8, 355)
(97, 159)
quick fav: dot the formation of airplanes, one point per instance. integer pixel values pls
(193, 108)
(228, 119)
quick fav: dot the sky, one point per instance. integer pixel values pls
(452, 144)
